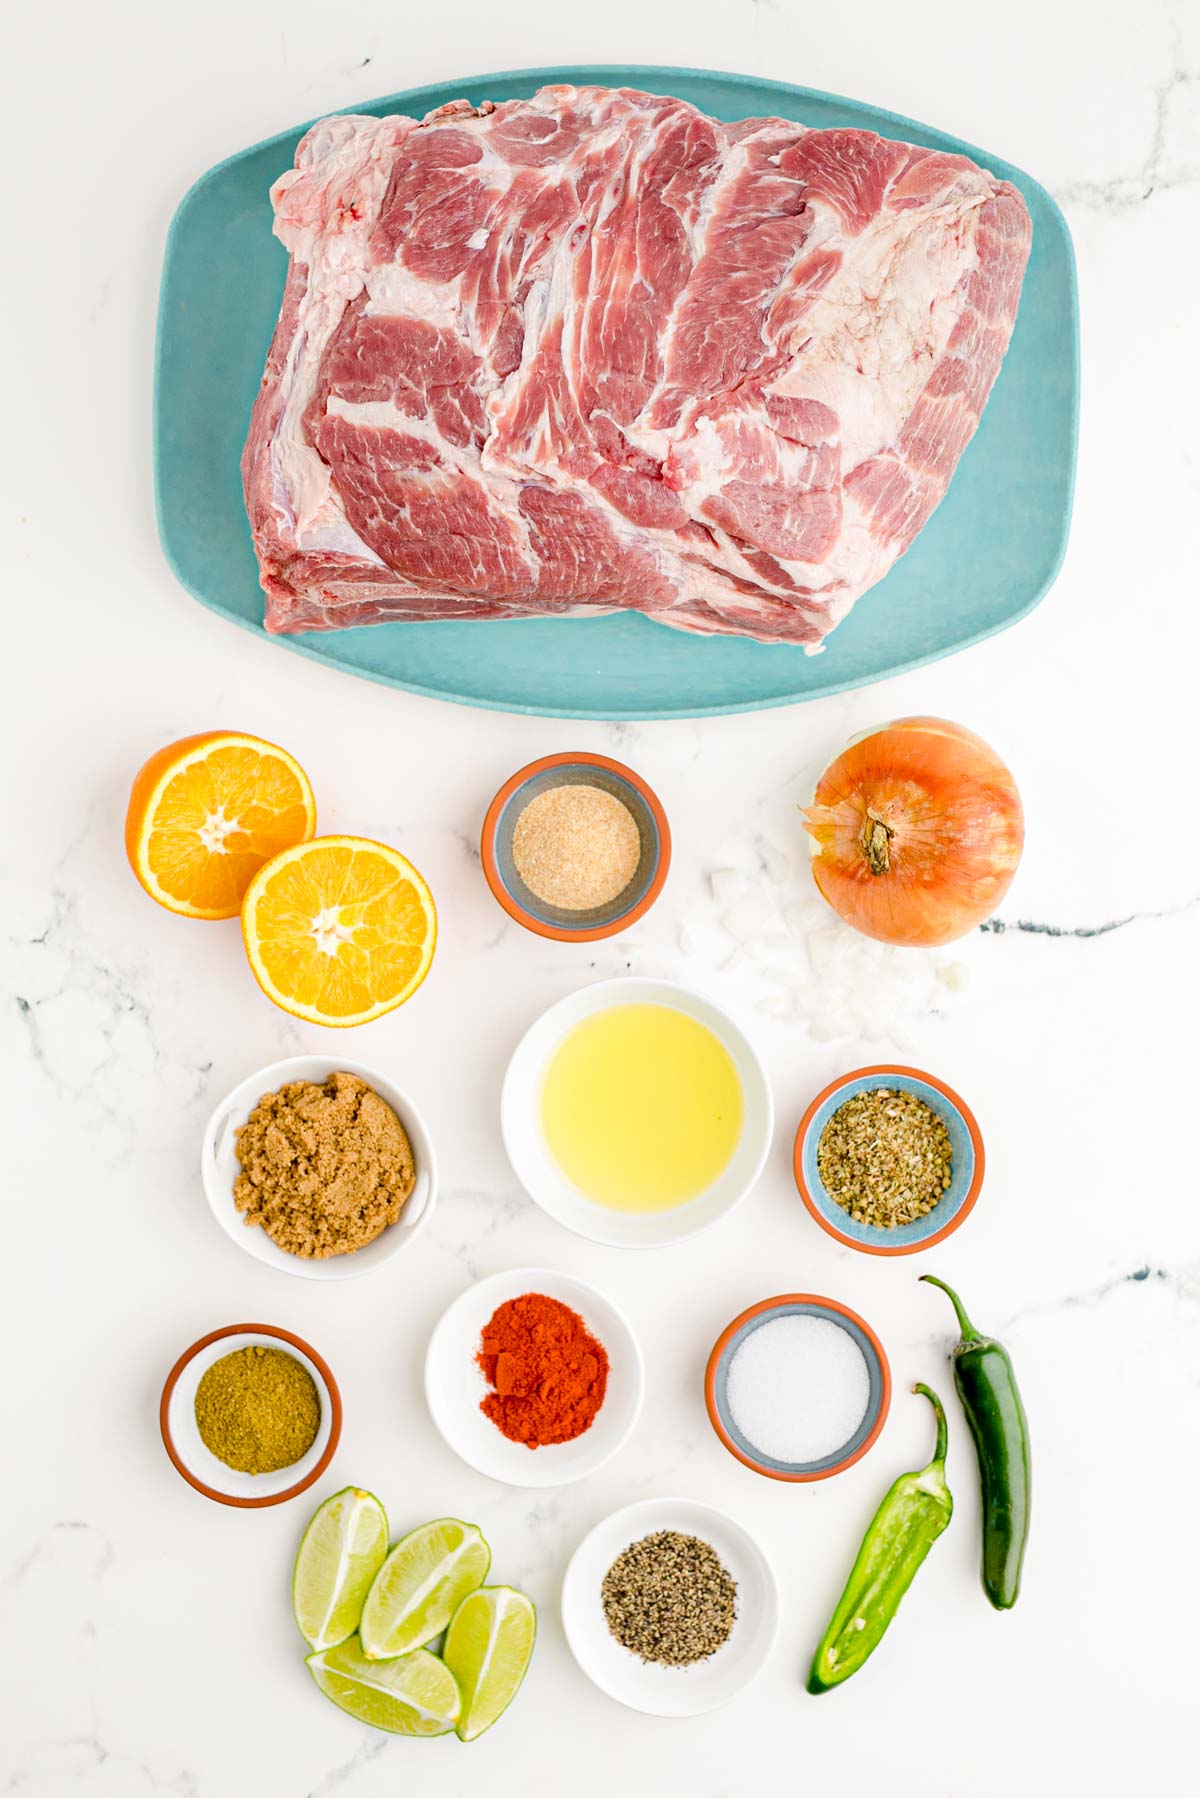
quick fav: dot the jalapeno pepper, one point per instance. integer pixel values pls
(987, 1386)
(905, 1527)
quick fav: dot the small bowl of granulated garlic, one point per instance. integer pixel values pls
(575, 847)
(320, 1168)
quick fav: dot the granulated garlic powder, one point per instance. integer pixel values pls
(576, 847)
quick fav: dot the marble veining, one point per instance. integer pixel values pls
(998, 926)
(1164, 167)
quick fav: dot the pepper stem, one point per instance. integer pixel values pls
(969, 1332)
(939, 1451)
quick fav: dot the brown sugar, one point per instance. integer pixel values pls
(324, 1169)
(576, 847)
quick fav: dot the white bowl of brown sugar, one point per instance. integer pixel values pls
(321, 1168)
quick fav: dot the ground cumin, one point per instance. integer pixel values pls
(257, 1409)
(324, 1168)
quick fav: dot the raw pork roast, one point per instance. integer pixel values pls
(596, 350)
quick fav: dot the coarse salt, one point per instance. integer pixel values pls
(798, 1388)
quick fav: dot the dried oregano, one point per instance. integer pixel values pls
(885, 1157)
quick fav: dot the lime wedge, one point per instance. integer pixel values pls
(413, 1696)
(421, 1585)
(343, 1549)
(488, 1648)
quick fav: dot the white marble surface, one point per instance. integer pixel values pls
(147, 1645)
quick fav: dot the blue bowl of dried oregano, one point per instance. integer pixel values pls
(889, 1160)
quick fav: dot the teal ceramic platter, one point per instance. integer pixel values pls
(983, 561)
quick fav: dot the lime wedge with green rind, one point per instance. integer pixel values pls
(343, 1549)
(421, 1585)
(488, 1649)
(413, 1696)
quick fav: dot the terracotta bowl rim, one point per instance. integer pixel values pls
(335, 1407)
(557, 932)
(885, 1070)
(725, 1338)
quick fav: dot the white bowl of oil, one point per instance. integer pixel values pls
(636, 1112)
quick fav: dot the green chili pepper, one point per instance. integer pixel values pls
(987, 1386)
(903, 1530)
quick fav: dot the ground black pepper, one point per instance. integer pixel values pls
(669, 1599)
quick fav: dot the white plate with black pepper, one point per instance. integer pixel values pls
(659, 1574)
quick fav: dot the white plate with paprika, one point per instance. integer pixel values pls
(540, 1378)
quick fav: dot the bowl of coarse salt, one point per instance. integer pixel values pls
(798, 1387)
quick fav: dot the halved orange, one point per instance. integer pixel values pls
(339, 930)
(206, 812)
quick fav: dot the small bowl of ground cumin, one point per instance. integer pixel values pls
(889, 1160)
(251, 1415)
(320, 1168)
(576, 847)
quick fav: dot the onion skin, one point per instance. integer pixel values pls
(917, 831)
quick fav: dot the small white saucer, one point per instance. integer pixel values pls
(643, 1686)
(455, 1386)
(219, 1169)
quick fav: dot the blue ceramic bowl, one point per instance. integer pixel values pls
(966, 1145)
(797, 1304)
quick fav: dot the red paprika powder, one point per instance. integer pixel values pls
(547, 1370)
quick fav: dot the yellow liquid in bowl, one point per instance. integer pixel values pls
(642, 1107)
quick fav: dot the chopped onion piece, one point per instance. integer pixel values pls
(753, 911)
(825, 1029)
(801, 918)
(825, 947)
(956, 975)
(726, 884)
(777, 862)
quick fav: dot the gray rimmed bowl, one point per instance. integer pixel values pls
(575, 769)
(798, 1304)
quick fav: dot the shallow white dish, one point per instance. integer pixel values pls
(199, 1466)
(670, 1691)
(544, 1180)
(455, 1386)
(219, 1169)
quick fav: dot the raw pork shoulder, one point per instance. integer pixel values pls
(595, 350)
